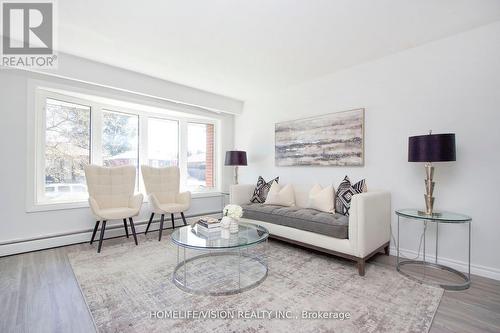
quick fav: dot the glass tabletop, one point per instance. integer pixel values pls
(445, 217)
(248, 234)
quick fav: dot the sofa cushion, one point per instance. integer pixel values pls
(344, 194)
(307, 219)
(280, 195)
(261, 189)
(321, 198)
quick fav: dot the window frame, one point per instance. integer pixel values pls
(36, 143)
(41, 123)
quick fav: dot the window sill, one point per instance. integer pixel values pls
(44, 207)
(206, 194)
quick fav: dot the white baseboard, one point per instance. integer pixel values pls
(461, 266)
(51, 241)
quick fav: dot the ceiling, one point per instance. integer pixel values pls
(242, 48)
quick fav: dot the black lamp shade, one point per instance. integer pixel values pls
(432, 148)
(236, 157)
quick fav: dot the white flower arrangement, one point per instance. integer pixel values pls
(233, 211)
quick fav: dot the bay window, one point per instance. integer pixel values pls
(72, 132)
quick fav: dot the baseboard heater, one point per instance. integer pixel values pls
(110, 228)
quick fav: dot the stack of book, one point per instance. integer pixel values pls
(208, 226)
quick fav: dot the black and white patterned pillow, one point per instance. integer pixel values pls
(261, 190)
(344, 194)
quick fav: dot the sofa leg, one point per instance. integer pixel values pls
(361, 267)
(94, 232)
(161, 226)
(149, 223)
(132, 226)
(386, 250)
(172, 218)
(183, 218)
(103, 227)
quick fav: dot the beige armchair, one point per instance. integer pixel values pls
(111, 197)
(162, 187)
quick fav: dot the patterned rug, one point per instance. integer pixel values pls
(128, 288)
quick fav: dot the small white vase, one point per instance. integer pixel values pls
(225, 234)
(225, 223)
(233, 239)
(233, 227)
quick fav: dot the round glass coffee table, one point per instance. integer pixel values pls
(223, 263)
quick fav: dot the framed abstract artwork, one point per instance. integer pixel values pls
(334, 139)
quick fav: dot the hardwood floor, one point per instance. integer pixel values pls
(39, 293)
(474, 310)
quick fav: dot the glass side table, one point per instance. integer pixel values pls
(443, 217)
(224, 199)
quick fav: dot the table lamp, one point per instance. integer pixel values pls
(431, 148)
(236, 158)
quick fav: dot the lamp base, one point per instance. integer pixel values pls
(236, 175)
(433, 214)
(429, 189)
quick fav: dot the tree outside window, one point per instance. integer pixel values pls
(67, 149)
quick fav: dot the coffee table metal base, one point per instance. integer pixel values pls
(181, 272)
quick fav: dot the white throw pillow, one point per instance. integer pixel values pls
(280, 195)
(322, 198)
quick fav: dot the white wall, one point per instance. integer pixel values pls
(451, 85)
(21, 231)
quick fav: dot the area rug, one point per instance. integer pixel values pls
(128, 288)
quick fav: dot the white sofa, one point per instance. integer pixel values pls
(368, 226)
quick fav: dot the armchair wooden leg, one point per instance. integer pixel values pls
(161, 226)
(94, 232)
(132, 226)
(183, 218)
(361, 267)
(103, 227)
(125, 225)
(172, 217)
(149, 223)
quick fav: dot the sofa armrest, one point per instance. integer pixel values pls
(370, 221)
(240, 194)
